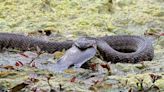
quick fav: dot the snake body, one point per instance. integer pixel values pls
(9, 40)
(126, 49)
(115, 49)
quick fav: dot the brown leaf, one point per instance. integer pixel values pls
(10, 67)
(96, 81)
(53, 90)
(154, 77)
(7, 73)
(40, 31)
(161, 34)
(73, 79)
(48, 32)
(19, 64)
(22, 54)
(36, 89)
(18, 87)
(33, 78)
(93, 66)
(106, 66)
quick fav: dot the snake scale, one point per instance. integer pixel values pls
(126, 49)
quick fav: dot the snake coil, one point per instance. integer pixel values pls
(126, 49)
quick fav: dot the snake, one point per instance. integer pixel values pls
(120, 48)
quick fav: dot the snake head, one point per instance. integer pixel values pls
(85, 42)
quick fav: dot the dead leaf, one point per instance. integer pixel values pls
(73, 79)
(22, 54)
(7, 73)
(9, 67)
(33, 78)
(18, 87)
(95, 81)
(19, 64)
(161, 34)
(154, 77)
(48, 32)
(93, 66)
(107, 66)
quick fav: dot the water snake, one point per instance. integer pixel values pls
(131, 49)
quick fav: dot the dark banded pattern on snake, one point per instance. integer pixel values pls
(129, 49)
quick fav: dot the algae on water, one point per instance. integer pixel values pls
(73, 18)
